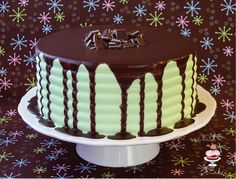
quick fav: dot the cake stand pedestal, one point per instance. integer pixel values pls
(119, 153)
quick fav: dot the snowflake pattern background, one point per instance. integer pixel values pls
(209, 24)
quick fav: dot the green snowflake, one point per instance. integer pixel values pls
(124, 1)
(60, 16)
(2, 51)
(108, 175)
(198, 20)
(39, 150)
(155, 18)
(18, 15)
(4, 119)
(83, 25)
(5, 156)
(31, 136)
(30, 84)
(230, 175)
(229, 131)
(195, 140)
(39, 170)
(181, 161)
(202, 78)
(224, 33)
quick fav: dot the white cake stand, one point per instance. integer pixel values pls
(117, 153)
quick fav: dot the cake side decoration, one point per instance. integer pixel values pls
(114, 39)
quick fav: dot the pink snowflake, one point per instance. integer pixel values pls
(59, 168)
(4, 83)
(23, 3)
(11, 112)
(227, 104)
(182, 21)
(228, 51)
(160, 5)
(60, 151)
(15, 59)
(33, 43)
(44, 18)
(218, 80)
(108, 5)
(177, 172)
(232, 155)
(15, 133)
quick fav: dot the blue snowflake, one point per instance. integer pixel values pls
(118, 19)
(230, 116)
(192, 8)
(11, 175)
(54, 5)
(91, 4)
(62, 176)
(3, 71)
(215, 90)
(140, 10)
(30, 59)
(85, 167)
(4, 7)
(47, 29)
(2, 132)
(21, 162)
(207, 43)
(18, 42)
(229, 7)
(51, 157)
(208, 66)
(185, 32)
(7, 141)
(50, 143)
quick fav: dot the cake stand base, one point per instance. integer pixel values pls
(118, 156)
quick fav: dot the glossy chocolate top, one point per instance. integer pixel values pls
(160, 45)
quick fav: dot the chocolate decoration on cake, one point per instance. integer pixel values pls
(127, 65)
(113, 38)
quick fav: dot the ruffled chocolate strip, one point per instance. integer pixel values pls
(114, 38)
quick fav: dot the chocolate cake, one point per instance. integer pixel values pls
(116, 82)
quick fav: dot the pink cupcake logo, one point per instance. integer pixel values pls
(212, 155)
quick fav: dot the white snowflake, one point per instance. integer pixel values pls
(222, 147)
(85, 167)
(7, 141)
(44, 18)
(118, 19)
(55, 5)
(4, 83)
(208, 65)
(3, 71)
(215, 136)
(15, 59)
(231, 162)
(228, 51)
(231, 116)
(207, 43)
(182, 21)
(177, 146)
(218, 80)
(228, 6)
(18, 42)
(21, 163)
(108, 5)
(160, 5)
(91, 4)
(140, 10)
(215, 90)
(192, 8)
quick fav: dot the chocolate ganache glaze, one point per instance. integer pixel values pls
(127, 64)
